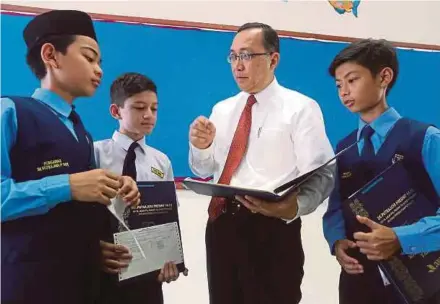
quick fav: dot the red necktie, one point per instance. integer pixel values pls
(235, 155)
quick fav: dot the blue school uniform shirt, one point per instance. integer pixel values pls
(32, 197)
(423, 236)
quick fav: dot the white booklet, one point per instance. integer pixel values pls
(160, 243)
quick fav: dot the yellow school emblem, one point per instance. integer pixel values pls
(346, 175)
(157, 172)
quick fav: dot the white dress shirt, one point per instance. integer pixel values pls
(287, 139)
(151, 164)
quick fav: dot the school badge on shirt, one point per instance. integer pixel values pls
(346, 175)
(157, 172)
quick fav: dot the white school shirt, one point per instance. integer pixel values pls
(151, 164)
(287, 139)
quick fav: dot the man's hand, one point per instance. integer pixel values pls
(94, 186)
(114, 257)
(285, 209)
(349, 264)
(169, 273)
(201, 132)
(129, 191)
(379, 244)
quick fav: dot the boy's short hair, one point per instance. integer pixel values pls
(130, 84)
(33, 56)
(372, 54)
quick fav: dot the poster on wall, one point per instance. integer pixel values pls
(343, 7)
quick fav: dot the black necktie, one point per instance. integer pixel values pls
(77, 125)
(368, 149)
(129, 168)
(367, 154)
(81, 133)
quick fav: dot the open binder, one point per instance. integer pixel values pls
(278, 194)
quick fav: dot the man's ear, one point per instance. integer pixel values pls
(274, 60)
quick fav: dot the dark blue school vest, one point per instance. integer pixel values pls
(54, 257)
(404, 140)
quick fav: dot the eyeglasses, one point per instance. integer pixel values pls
(244, 56)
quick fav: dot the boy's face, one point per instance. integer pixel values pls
(78, 72)
(358, 89)
(138, 116)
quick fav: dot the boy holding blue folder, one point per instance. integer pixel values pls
(365, 72)
(134, 104)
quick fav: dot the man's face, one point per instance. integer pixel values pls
(253, 73)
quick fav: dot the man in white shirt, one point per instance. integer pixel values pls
(260, 138)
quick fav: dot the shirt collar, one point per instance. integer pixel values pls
(267, 94)
(53, 100)
(383, 124)
(126, 141)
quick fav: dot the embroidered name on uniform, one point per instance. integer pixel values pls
(157, 172)
(346, 175)
(52, 164)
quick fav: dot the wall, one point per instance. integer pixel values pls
(402, 21)
(190, 69)
(303, 68)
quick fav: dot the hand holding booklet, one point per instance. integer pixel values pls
(150, 231)
(278, 194)
(393, 199)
